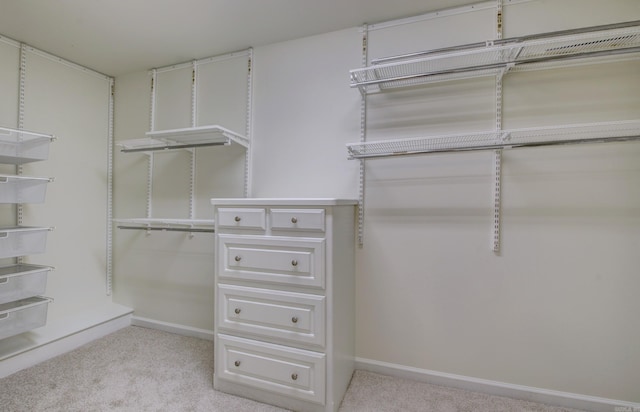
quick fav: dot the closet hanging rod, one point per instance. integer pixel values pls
(498, 66)
(172, 147)
(498, 42)
(167, 229)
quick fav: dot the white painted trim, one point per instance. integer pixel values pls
(206, 60)
(512, 2)
(9, 41)
(433, 15)
(527, 393)
(222, 57)
(172, 328)
(177, 66)
(67, 63)
(62, 345)
(441, 13)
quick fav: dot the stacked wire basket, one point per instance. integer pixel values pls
(22, 308)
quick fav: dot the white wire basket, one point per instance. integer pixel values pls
(22, 241)
(22, 189)
(23, 315)
(22, 146)
(22, 281)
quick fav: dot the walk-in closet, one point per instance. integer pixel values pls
(320, 206)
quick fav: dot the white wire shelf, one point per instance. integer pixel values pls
(504, 139)
(176, 225)
(495, 57)
(185, 138)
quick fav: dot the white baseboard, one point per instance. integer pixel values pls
(172, 328)
(549, 397)
(49, 342)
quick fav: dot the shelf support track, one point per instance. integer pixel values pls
(497, 154)
(248, 154)
(149, 184)
(109, 271)
(152, 114)
(363, 138)
(21, 111)
(194, 122)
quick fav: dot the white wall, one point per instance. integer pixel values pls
(304, 114)
(72, 103)
(555, 309)
(168, 276)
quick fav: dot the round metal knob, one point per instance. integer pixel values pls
(294, 262)
(294, 376)
(294, 220)
(237, 218)
(237, 363)
(294, 319)
(237, 311)
(238, 258)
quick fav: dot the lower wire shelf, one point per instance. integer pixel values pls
(168, 225)
(501, 139)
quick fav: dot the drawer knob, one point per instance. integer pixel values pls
(294, 319)
(294, 220)
(294, 262)
(237, 363)
(294, 376)
(237, 311)
(237, 218)
(237, 258)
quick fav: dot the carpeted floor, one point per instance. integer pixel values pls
(139, 369)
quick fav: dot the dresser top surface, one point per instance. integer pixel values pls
(256, 201)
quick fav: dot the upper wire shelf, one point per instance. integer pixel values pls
(185, 138)
(504, 139)
(498, 56)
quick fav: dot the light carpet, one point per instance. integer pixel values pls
(139, 369)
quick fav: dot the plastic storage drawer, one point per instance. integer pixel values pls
(21, 189)
(21, 146)
(22, 240)
(22, 315)
(22, 281)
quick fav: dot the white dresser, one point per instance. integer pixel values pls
(284, 322)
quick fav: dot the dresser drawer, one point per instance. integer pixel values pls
(287, 316)
(279, 369)
(278, 260)
(297, 219)
(241, 218)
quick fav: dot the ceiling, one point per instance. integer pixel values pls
(121, 36)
